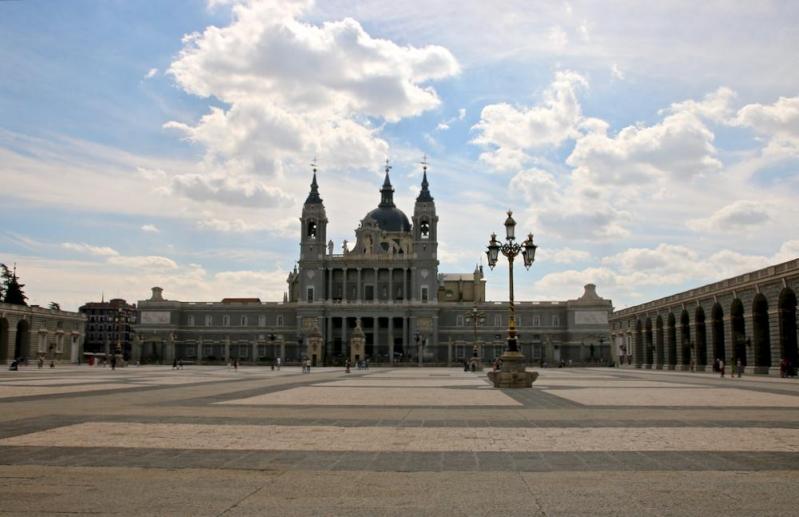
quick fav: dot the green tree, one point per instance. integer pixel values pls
(13, 289)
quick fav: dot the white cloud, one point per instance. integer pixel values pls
(511, 132)
(678, 147)
(143, 262)
(562, 255)
(616, 72)
(778, 123)
(296, 89)
(150, 228)
(151, 73)
(739, 215)
(81, 247)
(230, 190)
(715, 106)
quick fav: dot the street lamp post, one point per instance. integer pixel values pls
(512, 373)
(476, 318)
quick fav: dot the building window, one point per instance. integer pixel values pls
(459, 320)
(243, 321)
(190, 321)
(59, 343)
(497, 320)
(209, 320)
(309, 295)
(556, 321)
(262, 320)
(225, 320)
(312, 229)
(279, 320)
(424, 293)
(536, 320)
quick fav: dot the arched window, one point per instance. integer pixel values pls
(225, 320)
(244, 321)
(424, 229)
(209, 320)
(311, 229)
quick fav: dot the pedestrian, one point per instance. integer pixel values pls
(180, 364)
(175, 363)
(721, 367)
(41, 362)
(278, 364)
(273, 366)
(52, 363)
(347, 366)
(783, 367)
(465, 366)
(739, 367)
(236, 364)
(114, 362)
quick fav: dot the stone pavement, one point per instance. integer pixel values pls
(430, 441)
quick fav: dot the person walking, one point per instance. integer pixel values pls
(278, 364)
(721, 367)
(347, 366)
(739, 367)
(175, 363)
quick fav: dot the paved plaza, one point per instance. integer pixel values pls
(406, 441)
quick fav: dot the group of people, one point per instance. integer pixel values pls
(177, 364)
(306, 366)
(720, 367)
(786, 368)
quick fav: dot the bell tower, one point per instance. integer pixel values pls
(313, 240)
(425, 242)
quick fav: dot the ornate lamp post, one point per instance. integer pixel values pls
(512, 373)
(475, 318)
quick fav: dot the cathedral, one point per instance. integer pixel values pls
(382, 299)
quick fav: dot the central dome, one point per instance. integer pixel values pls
(390, 219)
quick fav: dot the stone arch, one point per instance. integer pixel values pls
(639, 344)
(685, 337)
(4, 340)
(760, 332)
(671, 340)
(701, 337)
(738, 332)
(23, 340)
(717, 332)
(649, 344)
(787, 322)
(659, 342)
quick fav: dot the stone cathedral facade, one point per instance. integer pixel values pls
(387, 288)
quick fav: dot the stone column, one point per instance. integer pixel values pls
(227, 349)
(404, 333)
(200, 350)
(404, 285)
(360, 277)
(412, 286)
(255, 350)
(774, 336)
(344, 285)
(282, 350)
(12, 343)
(449, 351)
(344, 335)
(729, 340)
(434, 344)
(377, 285)
(330, 283)
(391, 290)
(390, 338)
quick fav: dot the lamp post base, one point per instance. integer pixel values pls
(512, 373)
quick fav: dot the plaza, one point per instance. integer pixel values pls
(211, 440)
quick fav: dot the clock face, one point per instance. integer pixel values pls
(424, 273)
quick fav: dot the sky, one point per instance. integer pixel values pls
(650, 147)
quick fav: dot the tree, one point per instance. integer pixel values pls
(55, 306)
(13, 289)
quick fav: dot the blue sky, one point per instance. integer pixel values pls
(649, 148)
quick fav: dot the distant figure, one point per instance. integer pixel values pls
(14, 366)
(739, 367)
(41, 362)
(114, 362)
(278, 364)
(273, 366)
(175, 363)
(465, 365)
(347, 366)
(307, 366)
(52, 363)
(235, 364)
(180, 364)
(721, 367)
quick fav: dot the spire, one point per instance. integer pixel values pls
(424, 194)
(387, 192)
(313, 196)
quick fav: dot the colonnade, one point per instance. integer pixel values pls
(365, 284)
